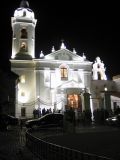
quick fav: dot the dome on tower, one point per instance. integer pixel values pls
(24, 4)
(24, 10)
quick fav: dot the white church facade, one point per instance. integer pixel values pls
(59, 80)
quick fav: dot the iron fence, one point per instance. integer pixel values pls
(49, 151)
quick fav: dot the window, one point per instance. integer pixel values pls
(24, 13)
(64, 73)
(23, 33)
(23, 112)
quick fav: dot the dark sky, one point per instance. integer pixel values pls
(92, 28)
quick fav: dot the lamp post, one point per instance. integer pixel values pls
(105, 90)
(105, 101)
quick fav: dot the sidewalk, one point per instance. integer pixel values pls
(25, 154)
(92, 139)
(12, 146)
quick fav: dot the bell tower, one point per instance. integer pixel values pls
(23, 26)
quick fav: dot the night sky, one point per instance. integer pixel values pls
(92, 28)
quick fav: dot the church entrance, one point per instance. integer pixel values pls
(74, 101)
(23, 112)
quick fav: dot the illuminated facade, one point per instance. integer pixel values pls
(58, 80)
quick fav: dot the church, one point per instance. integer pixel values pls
(59, 80)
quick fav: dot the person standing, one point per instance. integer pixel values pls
(21, 124)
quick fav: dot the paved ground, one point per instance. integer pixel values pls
(12, 145)
(100, 140)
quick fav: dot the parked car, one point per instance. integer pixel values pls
(113, 121)
(48, 120)
(6, 121)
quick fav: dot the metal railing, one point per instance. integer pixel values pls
(49, 151)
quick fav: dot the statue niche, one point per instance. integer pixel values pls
(23, 47)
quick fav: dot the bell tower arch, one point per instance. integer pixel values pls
(99, 70)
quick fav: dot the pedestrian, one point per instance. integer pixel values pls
(21, 124)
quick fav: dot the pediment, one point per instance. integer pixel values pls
(63, 54)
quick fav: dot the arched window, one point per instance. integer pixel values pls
(64, 73)
(24, 13)
(23, 33)
(99, 75)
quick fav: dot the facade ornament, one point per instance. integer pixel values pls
(53, 49)
(99, 69)
(74, 51)
(63, 46)
(84, 57)
(41, 54)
